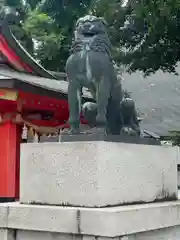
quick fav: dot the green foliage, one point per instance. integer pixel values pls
(145, 34)
(65, 12)
(152, 36)
(33, 3)
(47, 36)
(50, 24)
(115, 16)
(14, 12)
(13, 3)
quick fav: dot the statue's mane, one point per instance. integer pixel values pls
(91, 29)
(90, 18)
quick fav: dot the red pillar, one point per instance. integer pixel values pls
(9, 161)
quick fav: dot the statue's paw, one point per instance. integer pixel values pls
(71, 132)
(128, 131)
(125, 130)
(96, 131)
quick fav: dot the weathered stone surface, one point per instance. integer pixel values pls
(172, 233)
(3, 215)
(127, 220)
(97, 174)
(105, 222)
(42, 218)
(134, 222)
(6, 234)
(34, 235)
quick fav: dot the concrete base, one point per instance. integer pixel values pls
(172, 233)
(97, 174)
(6, 234)
(31, 222)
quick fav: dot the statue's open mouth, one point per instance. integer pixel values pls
(89, 34)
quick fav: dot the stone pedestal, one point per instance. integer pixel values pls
(94, 173)
(154, 221)
(97, 173)
(6, 234)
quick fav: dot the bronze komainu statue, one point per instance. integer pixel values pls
(90, 65)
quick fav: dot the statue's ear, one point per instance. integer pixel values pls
(77, 23)
(103, 21)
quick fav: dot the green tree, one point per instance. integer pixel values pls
(115, 15)
(14, 11)
(50, 25)
(47, 37)
(151, 36)
(64, 13)
(145, 34)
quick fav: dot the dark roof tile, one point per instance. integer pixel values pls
(157, 97)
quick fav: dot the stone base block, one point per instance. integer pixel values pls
(105, 222)
(6, 234)
(154, 221)
(97, 173)
(34, 235)
(172, 233)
